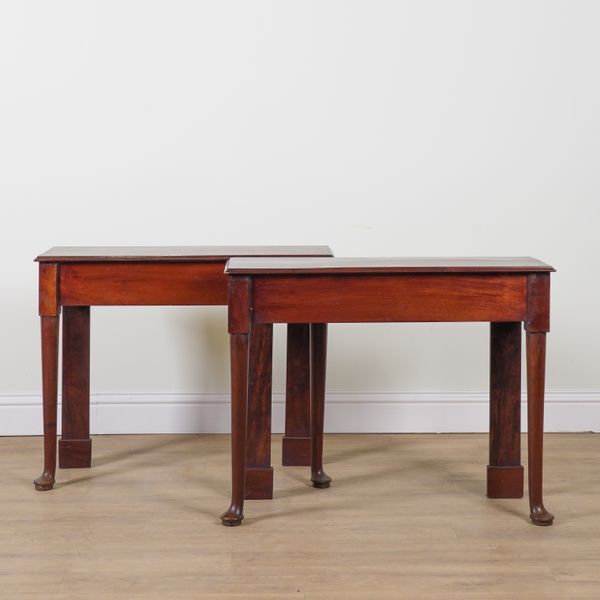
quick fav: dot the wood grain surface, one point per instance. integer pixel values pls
(169, 253)
(510, 264)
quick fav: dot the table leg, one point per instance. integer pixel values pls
(75, 445)
(318, 359)
(50, 326)
(296, 441)
(536, 367)
(259, 472)
(505, 472)
(239, 418)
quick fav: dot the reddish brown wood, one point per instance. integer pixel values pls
(64, 254)
(239, 408)
(138, 276)
(238, 315)
(538, 303)
(259, 472)
(259, 482)
(327, 265)
(296, 441)
(536, 325)
(50, 397)
(504, 482)
(412, 298)
(143, 284)
(49, 304)
(75, 445)
(350, 296)
(49, 309)
(536, 365)
(505, 472)
(318, 359)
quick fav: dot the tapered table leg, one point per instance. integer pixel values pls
(239, 413)
(296, 441)
(536, 364)
(50, 326)
(318, 356)
(75, 445)
(259, 472)
(505, 472)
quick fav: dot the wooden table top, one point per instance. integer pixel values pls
(327, 265)
(172, 253)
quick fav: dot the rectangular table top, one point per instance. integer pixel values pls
(327, 265)
(172, 253)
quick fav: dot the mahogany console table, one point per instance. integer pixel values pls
(503, 291)
(75, 278)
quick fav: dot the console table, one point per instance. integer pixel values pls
(503, 291)
(75, 278)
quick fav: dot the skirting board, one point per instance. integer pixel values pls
(356, 412)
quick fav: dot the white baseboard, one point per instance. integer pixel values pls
(356, 412)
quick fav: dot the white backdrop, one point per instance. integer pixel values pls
(379, 128)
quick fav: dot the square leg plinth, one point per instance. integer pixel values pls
(259, 483)
(75, 454)
(295, 451)
(504, 482)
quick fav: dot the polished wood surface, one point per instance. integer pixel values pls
(259, 472)
(75, 278)
(234, 515)
(504, 471)
(526, 264)
(49, 311)
(75, 445)
(143, 284)
(65, 254)
(48, 301)
(296, 441)
(536, 365)
(406, 518)
(388, 297)
(318, 361)
(50, 327)
(264, 295)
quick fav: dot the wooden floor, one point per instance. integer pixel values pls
(406, 517)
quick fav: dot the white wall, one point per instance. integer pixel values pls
(380, 128)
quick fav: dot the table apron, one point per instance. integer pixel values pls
(389, 298)
(142, 284)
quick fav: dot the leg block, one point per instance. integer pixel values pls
(504, 482)
(296, 451)
(259, 483)
(75, 454)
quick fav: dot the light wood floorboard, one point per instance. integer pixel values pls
(406, 517)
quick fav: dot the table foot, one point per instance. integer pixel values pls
(504, 482)
(232, 517)
(540, 516)
(259, 483)
(44, 482)
(295, 451)
(320, 480)
(74, 454)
